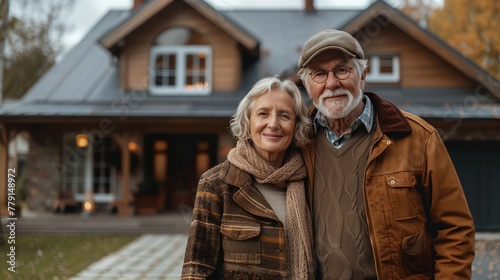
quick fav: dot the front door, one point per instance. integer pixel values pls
(176, 161)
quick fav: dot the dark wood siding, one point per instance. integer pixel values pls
(478, 166)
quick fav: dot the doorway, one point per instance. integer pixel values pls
(175, 163)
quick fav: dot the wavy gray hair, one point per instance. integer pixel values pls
(240, 121)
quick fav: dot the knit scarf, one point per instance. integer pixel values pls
(291, 177)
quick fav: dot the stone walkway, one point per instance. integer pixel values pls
(159, 250)
(150, 256)
(160, 256)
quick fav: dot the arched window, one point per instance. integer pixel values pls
(180, 63)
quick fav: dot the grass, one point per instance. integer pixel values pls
(56, 257)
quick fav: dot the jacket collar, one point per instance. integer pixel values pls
(390, 119)
(248, 197)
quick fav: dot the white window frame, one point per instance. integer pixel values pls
(81, 172)
(374, 74)
(181, 53)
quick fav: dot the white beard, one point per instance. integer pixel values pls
(338, 109)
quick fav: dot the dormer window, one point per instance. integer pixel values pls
(180, 63)
(383, 69)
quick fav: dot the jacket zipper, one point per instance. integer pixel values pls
(370, 231)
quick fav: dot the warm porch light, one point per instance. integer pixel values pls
(88, 204)
(132, 146)
(81, 140)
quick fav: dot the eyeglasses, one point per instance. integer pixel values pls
(341, 72)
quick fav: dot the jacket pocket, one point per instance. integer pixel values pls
(241, 244)
(402, 194)
(416, 257)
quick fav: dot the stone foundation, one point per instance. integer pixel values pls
(43, 181)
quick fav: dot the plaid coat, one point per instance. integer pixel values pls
(234, 234)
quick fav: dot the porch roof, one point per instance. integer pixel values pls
(85, 82)
(130, 104)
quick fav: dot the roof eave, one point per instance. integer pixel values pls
(113, 39)
(450, 55)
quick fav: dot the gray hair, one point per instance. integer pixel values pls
(240, 121)
(360, 64)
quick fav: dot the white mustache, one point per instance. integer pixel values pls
(334, 93)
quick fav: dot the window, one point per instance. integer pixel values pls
(383, 68)
(87, 164)
(180, 63)
(73, 172)
(103, 174)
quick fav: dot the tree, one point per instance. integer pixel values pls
(469, 26)
(4, 14)
(32, 43)
(418, 10)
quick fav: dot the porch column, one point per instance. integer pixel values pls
(126, 195)
(88, 182)
(125, 208)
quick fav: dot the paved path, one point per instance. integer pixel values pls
(158, 252)
(160, 256)
(151, 256)
(487, 262)
(48, 223)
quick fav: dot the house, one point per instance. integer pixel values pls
(140, 108)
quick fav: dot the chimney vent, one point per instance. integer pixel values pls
(137, 4)
(309, 6)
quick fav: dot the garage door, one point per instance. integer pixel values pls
(478, 166)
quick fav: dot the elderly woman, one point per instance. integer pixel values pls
(250, 219)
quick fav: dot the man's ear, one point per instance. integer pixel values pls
(363, 79)
(304, 83)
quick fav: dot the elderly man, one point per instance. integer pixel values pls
(385, 198)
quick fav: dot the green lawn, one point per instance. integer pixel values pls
(56, 257)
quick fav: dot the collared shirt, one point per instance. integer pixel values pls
(365, 118)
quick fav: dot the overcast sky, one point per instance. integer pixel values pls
(85, 13)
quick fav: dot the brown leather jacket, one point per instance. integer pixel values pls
(419, 222)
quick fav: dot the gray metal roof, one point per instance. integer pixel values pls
(87, 73)
(442, 103)
(282, 33)
(455, 112)
(85, 82)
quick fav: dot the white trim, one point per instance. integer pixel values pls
(374, 74)
(97, 197)
(85, 163)
(88, 182)
(180, 53)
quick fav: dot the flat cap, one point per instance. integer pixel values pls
(329, 39)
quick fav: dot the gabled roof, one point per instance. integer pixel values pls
(85, 83)
(282, 33)
(147, 11)
(86, 74)
(63, 92)
(429, 40)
